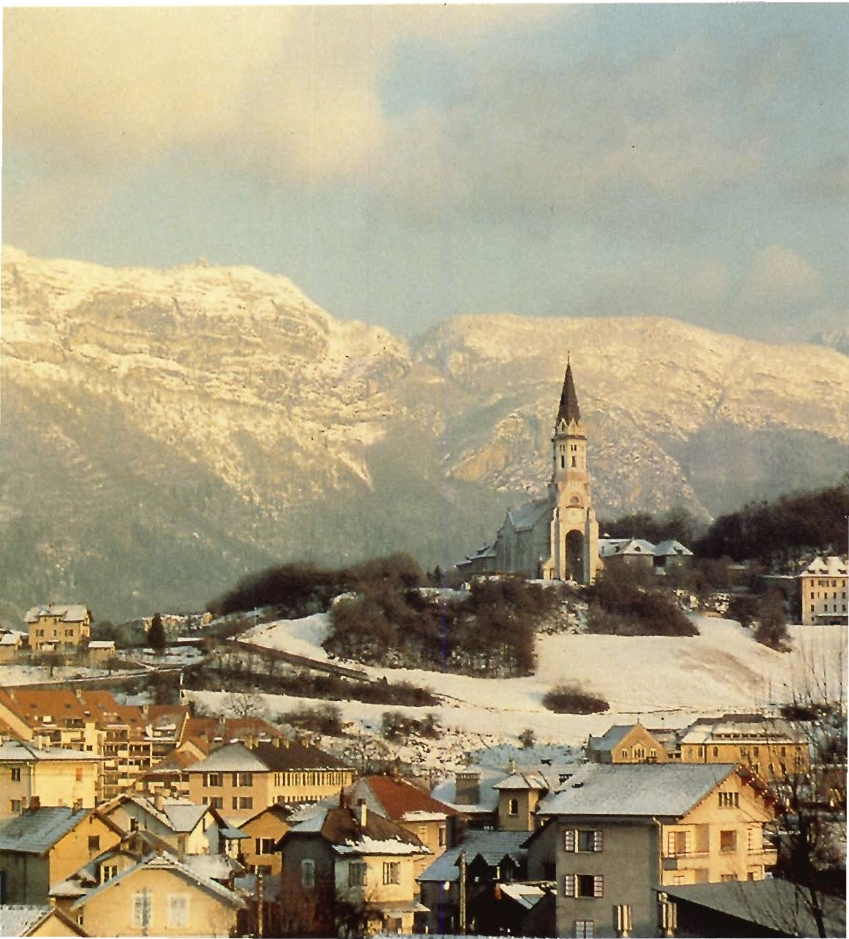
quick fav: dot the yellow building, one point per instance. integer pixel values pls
(823, 590)
(264, 830)
(626, 743)
(24, 920)
(66, 625)
(46, 844)
(158, 896)
(770, 748)
(240, 780)
(31, 774)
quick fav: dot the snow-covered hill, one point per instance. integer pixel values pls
(665, 681)
(165, 432)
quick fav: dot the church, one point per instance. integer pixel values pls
(555, 537)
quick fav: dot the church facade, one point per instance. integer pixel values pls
(554, 537)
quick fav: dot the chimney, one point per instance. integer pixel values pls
(34, 803)
(362, 813)
(511, 766)
(468, 787)
(158, 801)
(277, 742)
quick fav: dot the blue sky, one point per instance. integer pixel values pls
(402, 165)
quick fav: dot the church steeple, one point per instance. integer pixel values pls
(569, 410)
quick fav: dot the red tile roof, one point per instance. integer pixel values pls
(399, 797)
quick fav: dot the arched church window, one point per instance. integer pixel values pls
(573, 461)
(562, 462)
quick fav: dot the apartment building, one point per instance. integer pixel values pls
(618, 832)
(240, 780)
(823, 590)
(32, 774)
(65, 627)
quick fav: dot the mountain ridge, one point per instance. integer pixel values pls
(228, 421)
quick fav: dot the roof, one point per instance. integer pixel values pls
(214, 866)
(229, 729)
(231, 757)
(491, 846)
(14, 751)
(568, 410)
(11, 639)
(742, 728)
(775, 904)
(22, 920)
(611, 738)
(526, 895)
(281, 812)
(446, 791)
(102, 644)
(69, 612)
(636, 789)
(340, 827)
(667, 548)
(831, 566)
(36, 831)
(529, 513)
(294, 755)
(175, 761)
(398, 799)
(167, 862)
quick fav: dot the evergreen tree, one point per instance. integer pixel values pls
(156, 637)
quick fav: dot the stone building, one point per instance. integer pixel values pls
(555, 537)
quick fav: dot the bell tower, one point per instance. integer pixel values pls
(574, 528)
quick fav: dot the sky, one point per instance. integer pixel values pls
(406, 164)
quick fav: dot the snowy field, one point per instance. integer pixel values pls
(36, 674)
(664, 681)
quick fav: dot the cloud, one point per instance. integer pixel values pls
(779, 275)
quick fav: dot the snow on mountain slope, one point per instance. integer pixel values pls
(665, 681)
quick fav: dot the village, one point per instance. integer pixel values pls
(160, 798)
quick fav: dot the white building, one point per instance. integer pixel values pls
(823, 590)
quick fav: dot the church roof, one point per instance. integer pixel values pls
(529, 513)
(569, 410)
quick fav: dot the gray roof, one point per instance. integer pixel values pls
(492, 846)
(666, 548)
(446, 790)
(70, 612)
(17, 751)
(20, 920)
(232, 757)
(775, 904)
(529, 513)
(35, 832)
(662, 789)
(168, 863)
(610, 738)
(184, 816)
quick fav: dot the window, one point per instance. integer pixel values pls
(729, 800)
(716, 751)
(755, 751)
(583, 840)
(727, 841)
(583, 885)
(16, 774)
(15, 806)
(584, 929)
(725, 878)
(678, 843)
(78, 774)
(442, 834)
(513, 807)
(624, 753)
(217, 802)
(750, 839)
(307, 873)
(93, 843)
(244, 779)
(213, 779)
(265, 845)
(142, 909)
(639, 753)
(574, 464)
(178, 910)
(391, 872)
(653, 755)
(107, 872)
(562, 462)
(356, 874)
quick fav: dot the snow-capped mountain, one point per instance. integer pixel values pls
(165, 432)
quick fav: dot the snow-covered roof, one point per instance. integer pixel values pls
(214, 866)
(184, 816)
(11, 639)
(37, 831)
(523, 781)
(167, 862)
(526, 895)
(528, 514)
(668, 548)
(18, 919)
(662, 789)
(232, 757)
(446, 790)
(348, 835)
(486, 551)
(831, 566)
(491, 846)
(102, 644)
(69, 612)
(611, 738)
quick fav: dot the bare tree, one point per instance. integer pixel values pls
(244, 704)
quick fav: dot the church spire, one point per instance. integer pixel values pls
(569, 409)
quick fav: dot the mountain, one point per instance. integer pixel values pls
(834, 338)
(166, 432)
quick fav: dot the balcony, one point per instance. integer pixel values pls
(695, 860)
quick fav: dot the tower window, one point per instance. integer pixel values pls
(573, 461)
(563, 461)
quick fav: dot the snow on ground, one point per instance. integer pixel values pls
(665, 681)
(36, 674)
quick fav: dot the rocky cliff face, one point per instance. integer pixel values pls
(165, 432)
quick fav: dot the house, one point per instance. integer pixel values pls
(46, 844)
(617, 832)
(472, 793)
(11, 643)
(36, 920)
(349, 869)
(239, 780)
(170, 774)
(99, 650)
(520, 792)
(752, 908)
(769, 747)
(188, 827)
(823, 590)
(158, 896)
(263, 831)
(432, 822)
(66, 626)
(556, 536)
(486, 858)
(48, 775)
(640, 554)
(626, 743)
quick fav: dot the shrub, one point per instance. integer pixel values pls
(771, 628)
(324, 719)
(571, 699)
(396, 726)
(624, 603)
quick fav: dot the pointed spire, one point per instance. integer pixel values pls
(569, 409)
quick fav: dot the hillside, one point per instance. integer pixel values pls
(664, 681)
(166, 432)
